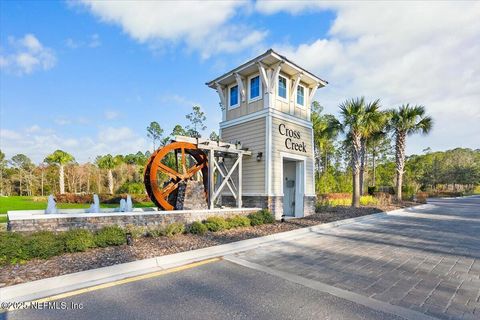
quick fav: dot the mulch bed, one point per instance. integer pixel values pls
(146, 247)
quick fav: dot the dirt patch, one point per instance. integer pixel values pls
(144, 248)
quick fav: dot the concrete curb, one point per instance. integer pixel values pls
(74, 281)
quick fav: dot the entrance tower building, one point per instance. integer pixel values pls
(266, 107)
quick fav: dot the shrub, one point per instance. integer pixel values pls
(238, 221)
(215, 224)
(197, 228)
(174, 228)
(267, 216)
(132, 188)
(110, 236)
(261, 217)
(368, 200)
(422, 197)
(384, 198)
(78, 240)
(255, 218)
(156, 231)
(44, 244)
(135, 231)
(13, 248)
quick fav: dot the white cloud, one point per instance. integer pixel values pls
(26, 55)
(422, 53)
(93, 41)
(179, 100)
(201, 25)
(39, 142)
(110, 114)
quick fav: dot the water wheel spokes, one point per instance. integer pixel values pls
(161, 162)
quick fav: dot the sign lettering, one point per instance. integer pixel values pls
(291, 134)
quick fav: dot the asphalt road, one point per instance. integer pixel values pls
(218, 290)
(421, 263)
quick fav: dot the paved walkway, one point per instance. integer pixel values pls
(426, 260)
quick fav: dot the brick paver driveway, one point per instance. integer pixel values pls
(426, 259)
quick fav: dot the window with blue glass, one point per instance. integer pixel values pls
(233, 95)
(255, 87)
(282, 87)
(300, 95)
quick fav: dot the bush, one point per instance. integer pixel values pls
(368, 200)
(44, 244)
(156, 231)
(238, 221)
(267, 216)
(110, 236)
(261, 217)
(78, 240)
(197, 228)
(215, 224)
(135, 231)
(384, 198)
(13, 248)
(421, 197)
(132, 188)
(174, 229)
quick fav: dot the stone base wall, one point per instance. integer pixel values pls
(272, 203)
(191, 196)
(94, 222)
(309, 205)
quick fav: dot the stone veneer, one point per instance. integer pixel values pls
(93, 221)
(272, 203)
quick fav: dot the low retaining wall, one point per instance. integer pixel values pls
(36, 220)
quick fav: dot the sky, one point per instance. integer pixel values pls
(88, 77)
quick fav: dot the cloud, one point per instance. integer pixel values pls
(422, 53)
(27, 55)
(37, 142)
(92, 42)
(110, 115)
(201, 25)
(179, 100)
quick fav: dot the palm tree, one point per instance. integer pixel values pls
(359, 121)
(108, 162)
(374, 121)
(352, 112)
(60, 158)
(404, 121)
(326, 128)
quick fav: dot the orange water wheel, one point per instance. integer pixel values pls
(171, 166)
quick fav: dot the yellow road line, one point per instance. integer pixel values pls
(115, 283)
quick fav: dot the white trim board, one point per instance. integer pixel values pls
(264, 113)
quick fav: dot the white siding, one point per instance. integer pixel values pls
(252, 136)
(278, 148)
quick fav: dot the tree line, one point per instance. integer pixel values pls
(59, 172)
(362, 150)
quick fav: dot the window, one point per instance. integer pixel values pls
(282, 87)
(233, 93)
(254, 88)
(301, 95)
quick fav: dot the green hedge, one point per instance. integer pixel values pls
(78, 240)
(110, 236)
(197, 228)
(215, 224)
(44, 245)
(261, 217)
(18, 247)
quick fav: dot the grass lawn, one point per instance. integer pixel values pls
(27, 203)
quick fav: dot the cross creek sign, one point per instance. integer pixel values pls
(292, 140)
